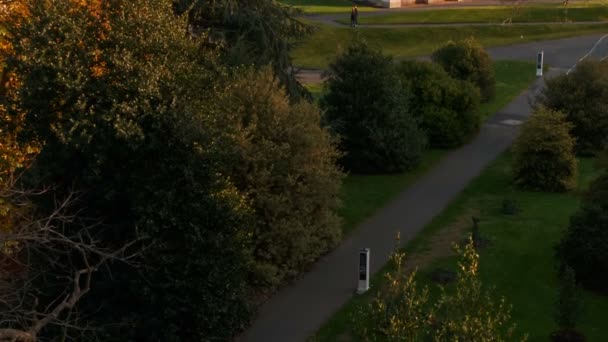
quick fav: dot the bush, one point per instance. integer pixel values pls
(447, 107)
(366, 106)
(568, 308)
(467, 60)
(583, 96)
(544, 153)
(585, 244)
(404, 311)
(285, 163)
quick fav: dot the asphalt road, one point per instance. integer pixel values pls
(560, 53)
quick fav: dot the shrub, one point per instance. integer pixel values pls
(285, 163)
(447, 107)
(584, 247)
(366, 106)
(467, 60)
(544, 153)
(404, 311)
(583, 96)
(568, 308)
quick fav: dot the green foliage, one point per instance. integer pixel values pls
(470, 313)
(544, 153)
(447, 107)
(123, 101)
(584, 247)
(583, 96)
(284, 162)
(568, 308)
(366, 106)
(467, 60)
(402, 312)
(249, 32)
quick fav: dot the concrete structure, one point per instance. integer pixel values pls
(402, 3)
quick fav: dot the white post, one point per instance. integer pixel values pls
(539, 63)
(363, 270)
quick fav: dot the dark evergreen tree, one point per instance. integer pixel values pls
(249, 32)
(366, 105)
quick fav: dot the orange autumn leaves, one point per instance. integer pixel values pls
(15, 154)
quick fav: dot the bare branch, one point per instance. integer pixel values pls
(48, 239)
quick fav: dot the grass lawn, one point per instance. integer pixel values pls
(318, 50)
(548, 13)
(512, 77)
(364, 194)
(519, 261)
(325, 6)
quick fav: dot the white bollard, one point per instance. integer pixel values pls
(363, 270)
(539, 63)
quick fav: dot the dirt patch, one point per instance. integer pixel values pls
(441, 244)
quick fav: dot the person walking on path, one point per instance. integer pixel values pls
(354, 16)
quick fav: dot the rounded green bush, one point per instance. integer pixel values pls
(583, 96)
(467, 60)
(447, 107)
(366, 106)
(544, 157)
(284, 162)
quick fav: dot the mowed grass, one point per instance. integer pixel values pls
(322, 46)
(519, 261)
(363, 195)
(548, 13)
(325, 6)
(512, 77)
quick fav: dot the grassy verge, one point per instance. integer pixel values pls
(519, 261)
(316, 51)
(512, 77)
(549, 13)
(315, 89)
(325, 6)
(363, 195)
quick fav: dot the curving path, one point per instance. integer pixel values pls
(297, 311)
(332, 18)
(559, 53)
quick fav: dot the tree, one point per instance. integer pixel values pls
(14, 154)
(124, 104)
(469, 313)
(284, 162)
(249, 32)
(366, 106)
(75, 256)
(447, 107)
(568, 309)
(467, 60)
(544, 153)
(585, 244)
(402, 312)
(583, 96)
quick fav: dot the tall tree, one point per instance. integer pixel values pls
(251, 32)
(120, 97)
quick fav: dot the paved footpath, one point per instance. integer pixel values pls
(296, 312)
(559, 53)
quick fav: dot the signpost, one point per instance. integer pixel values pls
(363, 270)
